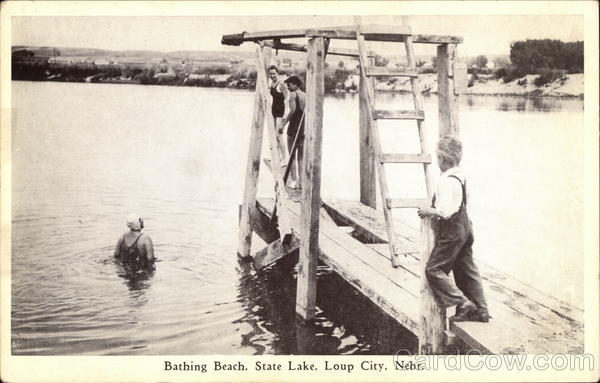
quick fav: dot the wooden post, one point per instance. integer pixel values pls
(432, 317)
(432, 321)
(368, 190)
(252, 170)
(448, 97)
(306, 291)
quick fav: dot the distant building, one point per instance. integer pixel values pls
(101, 61)
(59, 60)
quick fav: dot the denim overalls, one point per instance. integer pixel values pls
(452, 251)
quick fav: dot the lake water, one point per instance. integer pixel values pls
(83, 155)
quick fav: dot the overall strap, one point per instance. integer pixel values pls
(464, 190)
(135, 242)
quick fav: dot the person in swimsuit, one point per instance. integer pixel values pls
(135, 247)
(295, 117)
(280, 93)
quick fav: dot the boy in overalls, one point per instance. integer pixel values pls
(453, 240)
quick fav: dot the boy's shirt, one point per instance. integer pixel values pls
(448, 194)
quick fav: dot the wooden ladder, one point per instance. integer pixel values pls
(368, 72)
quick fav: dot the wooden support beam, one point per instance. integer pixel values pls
(404, 203)
(390, 33)
(381, 114)
(447, 98)
(261, 224)
(304, 48)
(274, 251)
(432, 317)
(239, 38)
(402, 158)
(281, 193)
(384, 71)
(252, 171)
(306, 291)
(368, 181)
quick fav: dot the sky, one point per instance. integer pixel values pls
(483, 34)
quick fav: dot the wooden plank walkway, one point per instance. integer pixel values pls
(524, 320)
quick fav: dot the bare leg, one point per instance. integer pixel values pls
(280, 140)
(293, 170)
(300, 162)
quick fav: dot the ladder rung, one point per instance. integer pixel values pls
(407, 248)
(383, 71)
(394, 203)
(406, 158)
(398, 115)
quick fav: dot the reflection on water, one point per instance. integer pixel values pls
(136, 276)
(346, 322)
(184, 173)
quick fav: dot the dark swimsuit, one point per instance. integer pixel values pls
(278, 106)
(132, 253)
(295, 120)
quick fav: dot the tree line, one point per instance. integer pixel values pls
(549, 59)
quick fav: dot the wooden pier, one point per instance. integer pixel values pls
(524, 320)
(375, 251)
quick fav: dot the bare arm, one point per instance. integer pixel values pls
(284, 90)
(149, 247)
(291, 110)
(118, 247)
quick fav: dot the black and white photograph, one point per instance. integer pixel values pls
(327, 191)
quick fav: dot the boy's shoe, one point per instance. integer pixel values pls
(480, 315)
(464, 311)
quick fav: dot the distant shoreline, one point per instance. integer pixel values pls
(479, 89)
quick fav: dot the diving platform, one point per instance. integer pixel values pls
(524, 320)
(382, 253)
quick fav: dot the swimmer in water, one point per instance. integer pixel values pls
(135, 247)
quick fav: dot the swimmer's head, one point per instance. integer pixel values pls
(135, 222)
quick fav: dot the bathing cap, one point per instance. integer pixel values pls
(134, 222)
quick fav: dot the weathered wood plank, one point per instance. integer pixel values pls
(274, 251)
(518, 324)
(239, 38)
(511, 332)
(436, 39)
(398, 203)
(363, 268)
(390, 33)
(368, 188)
(267, 162)
(251, 179)
(369, 221)
(372, 223)
(303, 48)
(398, 114)
(405, 158)
(447, 97)
(553, 317)
(385, 33)
(384, 71)
(252, 171)
(306, 290)
(262, 226)
(432, 317)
